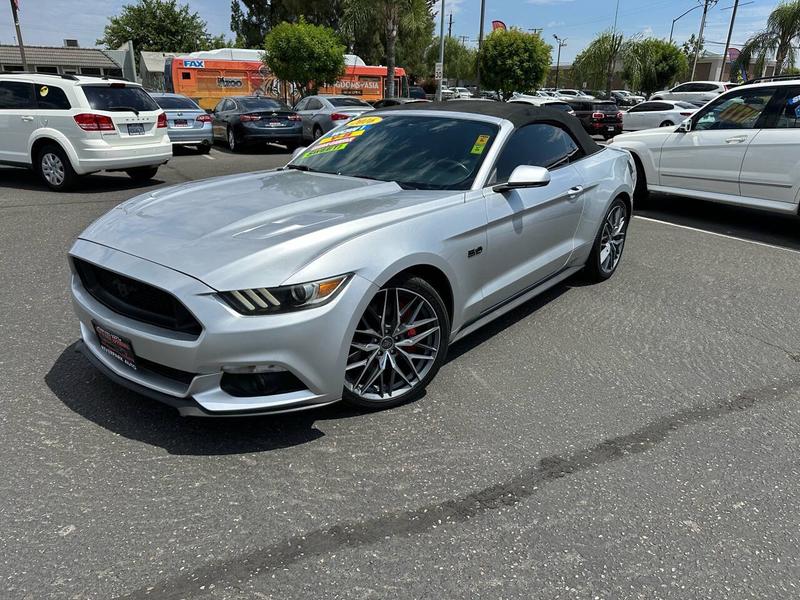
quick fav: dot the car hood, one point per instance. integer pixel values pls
(256, 229)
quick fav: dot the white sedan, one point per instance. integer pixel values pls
(648, 115)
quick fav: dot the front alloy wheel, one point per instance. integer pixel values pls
(398, 346)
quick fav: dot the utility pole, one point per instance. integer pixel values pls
(15, 15)
(450, 27)
(616, 16)
(706, 5)
(561, 43)
(728, 44)
(480, 45)
(441, 55)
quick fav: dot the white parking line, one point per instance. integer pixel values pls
(209, 157)
(722, 235)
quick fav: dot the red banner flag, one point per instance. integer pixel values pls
(498, 25)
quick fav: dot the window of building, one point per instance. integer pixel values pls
(53, 70)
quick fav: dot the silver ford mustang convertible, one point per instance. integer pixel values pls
(349, 272)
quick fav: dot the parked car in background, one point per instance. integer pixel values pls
(447, 93)
(599, 117)
(320, 114)
(694, 92)
(567, 94)
(742, 148)
(63, 126)
(187, 123)
(348, 274)
(490, 95)
(627, 98)
(397, 102)
(461, 93)
(543, 101)
(244, 120)
(416, 91)
(656, 114)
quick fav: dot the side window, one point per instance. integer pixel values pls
(661, 106)
(789, 117)
(314, 104)
(686, 87)
(644, 107)
(49, 97)
(735, 111)
(705, 87)
(16, 95)
(218, 107)
(228, 105)
(186, 75)
(537, 145)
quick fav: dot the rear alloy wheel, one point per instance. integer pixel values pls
(55, 169)
(609, 243)
(399, 345)
(667, 124)
(142, 173)
(232, 141)
(317, 133)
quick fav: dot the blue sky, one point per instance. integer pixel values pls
(48, 22)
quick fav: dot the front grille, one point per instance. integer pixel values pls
(135, 299)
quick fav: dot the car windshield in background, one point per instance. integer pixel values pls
(416, 152)
(119, 98)
(344, 102)
(254, 104)
(176, 103)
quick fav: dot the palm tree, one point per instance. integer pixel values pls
(393, 14)
(779, 39)
(597, 62)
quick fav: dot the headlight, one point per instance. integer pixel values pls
(262, 301)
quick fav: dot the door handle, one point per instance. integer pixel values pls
(575, 192)
(736, 140)
(27, 118)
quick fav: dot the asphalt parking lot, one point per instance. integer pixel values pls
(636, 439)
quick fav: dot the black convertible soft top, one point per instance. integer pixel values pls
(518, 113)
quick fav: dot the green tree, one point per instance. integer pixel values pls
(459, 61)
(514, 61)
(302, 54)
(780, 39)
(598, 61)
(251, 20)
(651, 65)
(691, 47)
(158, 26)
(394, 15)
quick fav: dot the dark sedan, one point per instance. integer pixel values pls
(245, 120)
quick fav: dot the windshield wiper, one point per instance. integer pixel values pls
(123, 108)
(304, 168)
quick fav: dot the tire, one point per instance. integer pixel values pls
(641, 194)
(608, 243)
(55, 169)
(232, 143)
(667, 124)
(142, 173)
(393, 366)
(317, 133)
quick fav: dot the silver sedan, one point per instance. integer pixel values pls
(320, 114)
(349, 272)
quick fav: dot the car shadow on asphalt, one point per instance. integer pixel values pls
(747, 223)
(88, 393)
(100, 183)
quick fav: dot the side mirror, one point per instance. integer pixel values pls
(525, 176)
(298, 151)
(686, 126)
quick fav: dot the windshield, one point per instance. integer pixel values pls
(117, 97)
(254, 104)
(341, 102)
(416, 152)
(176, 103)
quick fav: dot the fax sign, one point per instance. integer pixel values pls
(194, 64)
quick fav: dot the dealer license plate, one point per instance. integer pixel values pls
(181, 123)
(115, 346)
(135, 129)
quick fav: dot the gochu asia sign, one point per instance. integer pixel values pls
(360, 86)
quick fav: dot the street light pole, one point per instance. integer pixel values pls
(441, 55)
(678, 18)
(561, 43)
(15, 15)
(480, 45)
(728, 43)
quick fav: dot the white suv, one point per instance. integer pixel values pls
(694, 92)
(63, 126)
(742, 148)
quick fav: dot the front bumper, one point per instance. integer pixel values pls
(312, 344)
